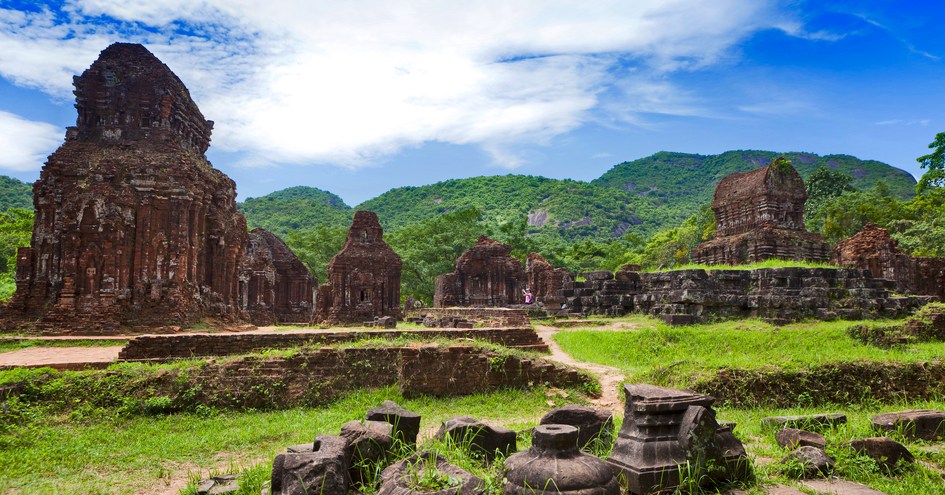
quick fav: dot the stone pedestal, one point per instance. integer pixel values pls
(667, 434)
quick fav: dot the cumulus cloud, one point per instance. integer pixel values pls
(348, 82)
(26, 143)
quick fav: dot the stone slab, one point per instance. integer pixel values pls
(840, 487)
(59, 356)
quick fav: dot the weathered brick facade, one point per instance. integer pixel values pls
(275, 287)
(875, 250)
(363, 278)
(486, 275)
(760, 215)
(134, 227)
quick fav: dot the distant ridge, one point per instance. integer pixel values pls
(640, 196)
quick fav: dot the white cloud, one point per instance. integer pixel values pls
(297, 81)
(26, 143)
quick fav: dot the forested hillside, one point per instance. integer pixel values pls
(687, 179)
(572, 209)
(296, 208)
(15, 193)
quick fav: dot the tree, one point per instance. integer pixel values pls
(430, 247)
(316, 247)
(935, 163)
(16, 228)
(822, 185)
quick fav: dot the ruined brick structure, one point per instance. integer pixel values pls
(545, 281)
(275, 287)
(760, 215)
(363, 278)
(875, 250)
(486, 275)
(778, 294)
(133, 224)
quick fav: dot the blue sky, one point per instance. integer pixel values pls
(358, 97)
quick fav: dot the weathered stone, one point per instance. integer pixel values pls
(486, 275)
(275, 287)
(665, 430)
(775, 294)
(386, 322)
(816, 462)
(324, 470)
(218, 485)
(875, 250)
(815, 422)
(405, 424)
(592, 424)
(545, 281)
(921, 423)
(368, 444)
(477, 436)
(760, 215)
(792, 438)
(836, 486)
(554, 464)
(396, 479)
(363, 278)
(134, 227)
(884, 450)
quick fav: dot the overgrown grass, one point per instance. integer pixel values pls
(768, 263)
(918, 479)
(678, 355)
(7, 344)
(52, 454)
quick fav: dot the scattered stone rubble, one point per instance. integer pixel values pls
(665, 431)
(363, 278)
(760, 215)
(875, 250)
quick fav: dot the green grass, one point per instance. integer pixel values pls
(912, 480)
(128, 455)
(7, 345)
(679, 355)
(768, 263)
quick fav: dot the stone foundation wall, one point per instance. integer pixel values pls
(316, 377)
(687, 296)
(169, 347)
(493, 317)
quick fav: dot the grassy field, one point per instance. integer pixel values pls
(655, 352)
(923, 478)
(147, 454)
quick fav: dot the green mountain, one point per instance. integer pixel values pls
(570, 208)
(681, 178)
(15, 194)
(295, 208)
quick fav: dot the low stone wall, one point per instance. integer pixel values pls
(491, 317)
(779, 294)
(308, 378)
(185, 346)
(837, 383)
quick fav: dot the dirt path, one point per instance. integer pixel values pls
(610, 377)
(53, 356)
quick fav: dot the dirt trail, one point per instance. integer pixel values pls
(610, 377)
